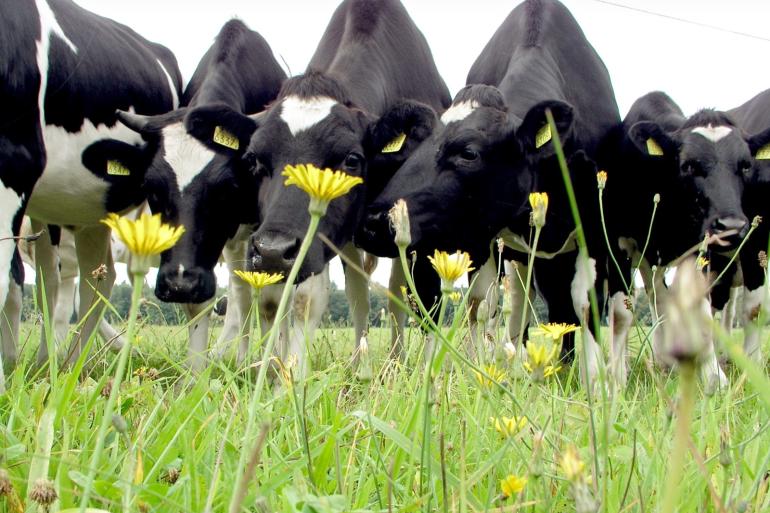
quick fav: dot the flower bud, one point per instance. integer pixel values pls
(482, 312)
(539, 203)
(601, 179)
(685, 316)
(399, 221)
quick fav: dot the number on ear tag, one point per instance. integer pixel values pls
(653, 148)
(225, 138)
(395, 145)
(543, 136)
(117, 169)
(763, 153)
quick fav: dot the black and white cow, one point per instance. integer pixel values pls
(753, 118)
(371, 64)
(697, 168)
(470, 180)
(63, 73)
(210, 194)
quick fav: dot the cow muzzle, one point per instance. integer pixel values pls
(376, 235)
(273, 252)
(728, 232)
(180, 285)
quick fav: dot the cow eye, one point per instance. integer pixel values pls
(469, 154)
(690, 168)
(745, 167)
(353, 161)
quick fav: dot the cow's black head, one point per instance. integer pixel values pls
(206, 191)
(311, 122)
(469, 179)
(710, 161)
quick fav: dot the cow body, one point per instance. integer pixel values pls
(64, 73)
(469, 182)
(691, 172)
(371, 60)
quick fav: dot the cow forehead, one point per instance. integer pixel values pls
(300, 113)
(713, 133)
(186, 156)
(459, 111)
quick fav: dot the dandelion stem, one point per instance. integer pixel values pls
(527, 285)
(136, 296)
(681, 436)
(235, 503)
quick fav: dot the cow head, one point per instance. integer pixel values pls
(312, 121)
(469, 179)
(206, 191)
(710, 161)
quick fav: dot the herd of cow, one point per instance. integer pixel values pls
(95, 120)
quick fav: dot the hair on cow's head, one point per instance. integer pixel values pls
(705, 117)
(313, 84)
(483, 95)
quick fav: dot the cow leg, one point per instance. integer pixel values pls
(656, 289)
(754, 305)
(68, 272)
(46, 279)
(711, 372)
(236, 323)
(198, 334)
(520, 303)
(92, 246)
(357, 292)
(308, 306)
(621, 319)
(483, 288)
(398, 315)
(9, 328)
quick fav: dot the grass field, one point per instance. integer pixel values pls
(335, 443)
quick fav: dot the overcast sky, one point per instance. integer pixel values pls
(703, 53)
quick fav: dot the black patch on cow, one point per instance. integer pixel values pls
(314, 83)
(124, 191)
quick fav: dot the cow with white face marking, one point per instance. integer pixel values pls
(753, 119)
(371, 62)
(208, 193)
(63, 73)
(691, 172)
(469, 182)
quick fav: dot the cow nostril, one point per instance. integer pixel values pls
(291, 251)
(724, 224)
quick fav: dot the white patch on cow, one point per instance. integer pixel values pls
(302, 113)
(172, 88)
(68, 193)
(713, 133)
(186, 155)
(48, 26)
(459, 111)
(10, 203)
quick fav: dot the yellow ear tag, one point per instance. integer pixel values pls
(116, 168)
(763, 153)
(653, 148)
(225, 138)
(543, 136)
(395, 145)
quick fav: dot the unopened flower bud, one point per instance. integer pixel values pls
(756, 221)
(119, 423)
(601, 179)
(685, 316)
(482, 312)
(762, 256)
(539, 203)
(510, 350)
(656, 198)
(399, 221)
(724, 449)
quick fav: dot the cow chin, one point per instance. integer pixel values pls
(180, 285)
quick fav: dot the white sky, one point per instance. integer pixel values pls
(697, 65)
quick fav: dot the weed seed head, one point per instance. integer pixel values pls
(43, 492)
(399, 221)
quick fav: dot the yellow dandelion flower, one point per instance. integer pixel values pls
(601, 179)
(512, 485)
(144, 237)
(554, 330)
(455, 297)
(701, 263)
(571, 465)
(539, 203)
(450, 267)
(322, 185)
(493, 372)
(540, 358)
(259, 280)
(509, 426)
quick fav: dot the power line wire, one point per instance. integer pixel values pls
(684, 20)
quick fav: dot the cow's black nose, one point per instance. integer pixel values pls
(735, 225)
(175, 284)
(274, 251)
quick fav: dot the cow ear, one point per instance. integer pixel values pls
(650, 138)
(759, 144)
(221, 128)
(535, 132)
(118, 162)
(398, 132)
